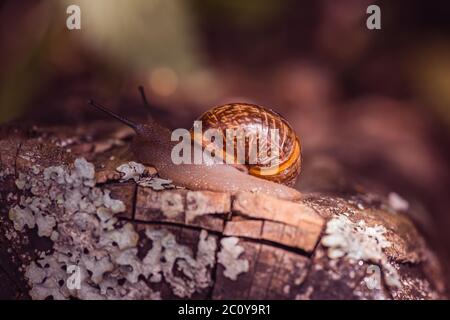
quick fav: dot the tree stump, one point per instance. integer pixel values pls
(80, 219)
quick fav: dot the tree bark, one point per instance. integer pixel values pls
(71, 197)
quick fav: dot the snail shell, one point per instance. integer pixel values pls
(255, 123)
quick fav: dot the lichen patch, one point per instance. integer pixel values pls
(138, 172)
(131, 170)
(65, 206)
(228, 256)
(167, 255)
(357, 241)
(397, 203)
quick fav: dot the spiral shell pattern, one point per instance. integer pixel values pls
(265, 134)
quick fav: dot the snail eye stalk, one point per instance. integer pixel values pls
(102, 108)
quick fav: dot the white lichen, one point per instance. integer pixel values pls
(131, 170)
(137, 172)
(45, 225)
(172, 204)
(64, 205)
(22, 217)
(228, 256)
(358, 241)
(123, 238)
(156, 183)
(166, 254)
(397, 203)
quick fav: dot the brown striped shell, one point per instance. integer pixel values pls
(265, 133)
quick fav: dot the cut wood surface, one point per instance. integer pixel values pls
(73, 199)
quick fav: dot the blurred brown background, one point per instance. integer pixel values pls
(372, 108)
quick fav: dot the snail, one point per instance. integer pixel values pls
(153, 146)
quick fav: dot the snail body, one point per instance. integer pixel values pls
(152, 145)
